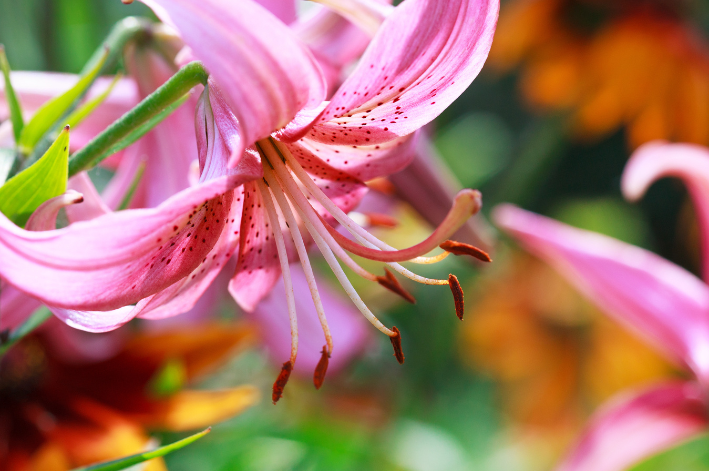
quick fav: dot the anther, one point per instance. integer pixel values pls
(459, 248)
(396, 343)
(458, 296)
(381, 220)
(281, 381)
(390, 282)
(321, 369)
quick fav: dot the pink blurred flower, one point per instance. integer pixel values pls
(662, 302)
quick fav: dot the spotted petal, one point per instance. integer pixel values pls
(661, 301)
(266, 74)
(688, 162)
(424, 56)
(120, 258)
(638, 425)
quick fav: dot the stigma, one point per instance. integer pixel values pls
(287, 191)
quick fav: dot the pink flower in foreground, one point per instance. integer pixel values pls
(162, 259)
(423, 56)
(662, 302)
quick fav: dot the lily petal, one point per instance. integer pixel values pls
(424, 56)
(44, 217)
(663, 302)
(362, 162)
(120, 258)
(688, 162)
(266, 74)
(637, 426)
(15, 307)
(258, 268)
(189, 410)
(169, 149)
(334, 42)
(283, 9)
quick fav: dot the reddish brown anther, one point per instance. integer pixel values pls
(281, 381)
(381, 220)
(396, 343)
(321, 369)
(457, 295)
(392, 284)
(459, 248)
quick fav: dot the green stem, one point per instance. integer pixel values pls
(171, 91)
(122, 32)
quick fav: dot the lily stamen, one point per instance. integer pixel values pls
(290, 297)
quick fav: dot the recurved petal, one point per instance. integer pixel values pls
(44, 217)
(120, 258)
(266, 74)
(661, 301)
(364, 162)
(638, 425)
(688, 162)
(258, 267)
(424, 56)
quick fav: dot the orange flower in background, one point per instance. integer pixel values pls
(553, 356)
(57, 414)
(638, 64)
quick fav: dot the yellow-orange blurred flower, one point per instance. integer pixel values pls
(57, 414)
(554, 357)
(639, 65)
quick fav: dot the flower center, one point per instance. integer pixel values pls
(287, 190)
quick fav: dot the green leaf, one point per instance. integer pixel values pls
(692, 455)
(7, 159)
(128, 461)
(15, 109)
(87, 108)
(35, 320)
(128, 197)
(47, 116)
(45, 179)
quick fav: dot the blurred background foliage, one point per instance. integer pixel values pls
(510, 387)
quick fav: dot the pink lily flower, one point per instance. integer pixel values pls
(163, 258)
(423, 56)
(662, 302)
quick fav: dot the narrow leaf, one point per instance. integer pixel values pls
(143, 129)
(125, 202)
(45, 179)
(47, 116)
(7, 159)
(87, 108)
(13, 103)
(35, 320)
(128, 461)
